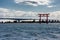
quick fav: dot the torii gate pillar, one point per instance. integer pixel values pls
(43, 15)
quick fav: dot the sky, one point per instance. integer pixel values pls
(29, 8)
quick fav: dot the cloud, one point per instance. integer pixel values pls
(55, 15)
(34, 2)
(7, 13)
(50, 6)
(16, 14)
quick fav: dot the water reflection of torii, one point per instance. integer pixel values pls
(43, 15)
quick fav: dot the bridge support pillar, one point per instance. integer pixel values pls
(18, 21)
(33, 20)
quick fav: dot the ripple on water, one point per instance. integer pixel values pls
(33, 31)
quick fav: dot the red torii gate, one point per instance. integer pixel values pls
(43, 15)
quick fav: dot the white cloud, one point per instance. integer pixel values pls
(55, 15)
(7, 12)
(27, 3)
(13, 13)
(49, 6)
(34, 2)
(18, 14)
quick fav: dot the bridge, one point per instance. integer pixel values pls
(40, 15)
(18, 19)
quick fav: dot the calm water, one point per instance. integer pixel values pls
(29, 31)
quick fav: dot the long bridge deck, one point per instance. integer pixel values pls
(17, 19)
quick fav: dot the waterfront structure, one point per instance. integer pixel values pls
(43, 15)
(40, 20)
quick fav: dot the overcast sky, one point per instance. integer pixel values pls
(29, 8)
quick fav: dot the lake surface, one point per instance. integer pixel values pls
(29, 31)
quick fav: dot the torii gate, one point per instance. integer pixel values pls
(43, 15)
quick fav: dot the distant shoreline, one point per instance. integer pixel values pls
(34, 22)
(42, 21)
